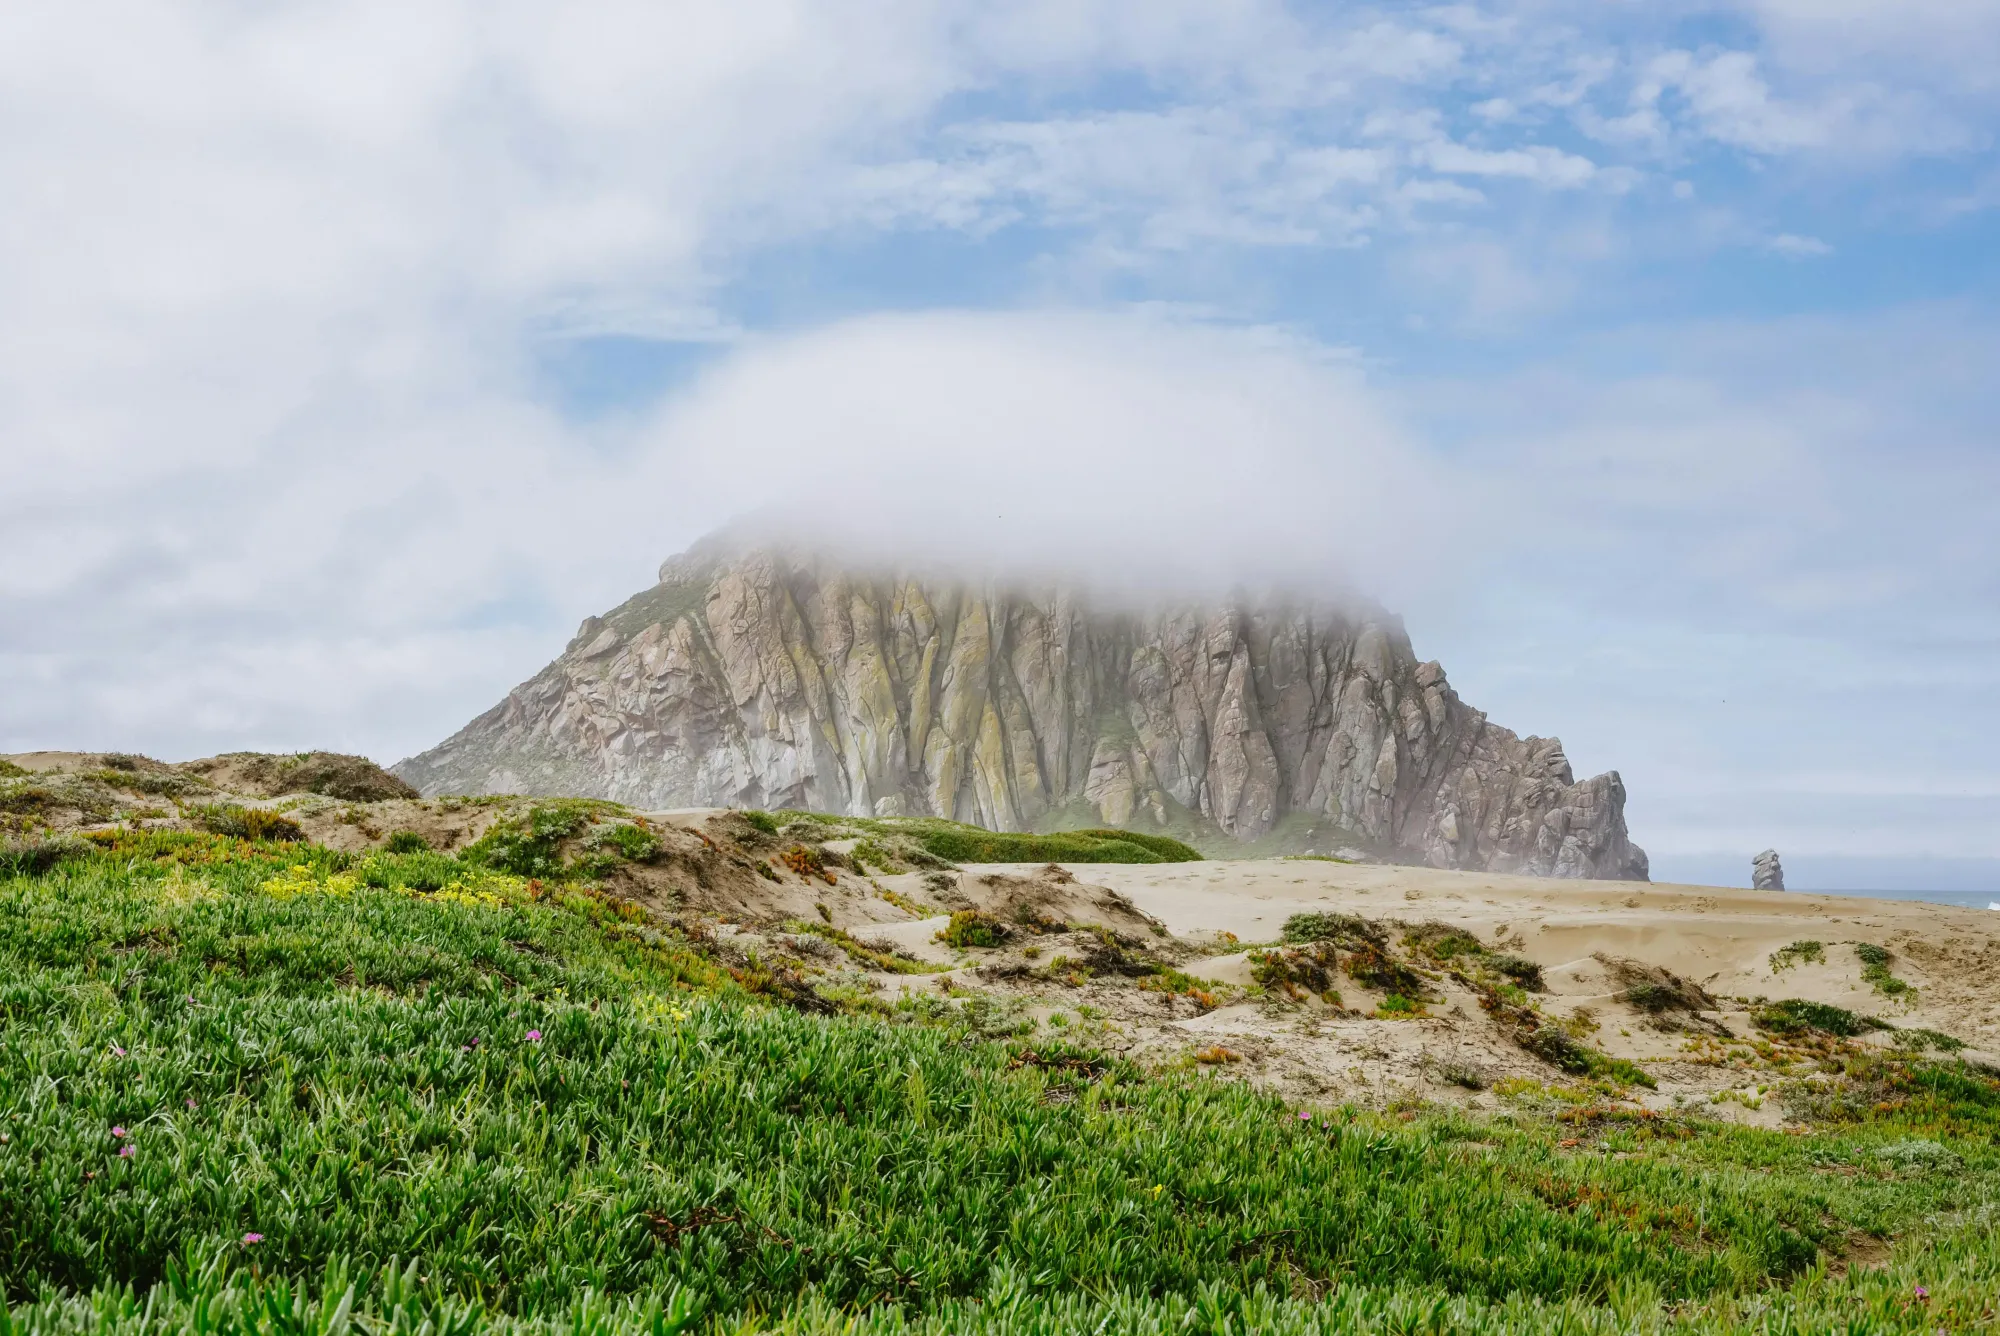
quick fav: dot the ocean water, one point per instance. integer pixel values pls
(1963, 899)
(1969, 883)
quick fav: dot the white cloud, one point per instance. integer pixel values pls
(1488, 282)
(1768, 597)
(1539, 163)
(1158, 180)
(1949, 44)
(1855, 114)
(1162, 181)
(1146, 451)
(276, 467)
(290, 604)
(1730, 99)
(1795, 247)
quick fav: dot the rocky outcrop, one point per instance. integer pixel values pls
(1766, 872)
(764, 678)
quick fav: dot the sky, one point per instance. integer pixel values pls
(1641, 356)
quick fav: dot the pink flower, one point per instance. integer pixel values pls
(1305, 1115)
(190, 1101)
(117, 1052)
(127, 1151)
(120, 1132)
(534, 1036)
(1923, 1293)
(252, 1239)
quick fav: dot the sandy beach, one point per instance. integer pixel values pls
(1584, 934)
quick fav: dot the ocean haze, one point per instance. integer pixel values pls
(1966, 880)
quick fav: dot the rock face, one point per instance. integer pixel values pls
(765, 678)
(1766, 872)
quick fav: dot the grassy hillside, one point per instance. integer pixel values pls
(273, 1087)
(956, 842)
(1294, 833)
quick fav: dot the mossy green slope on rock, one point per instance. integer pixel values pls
(956, 842)
(760, 677)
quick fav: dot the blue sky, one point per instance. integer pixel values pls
(1641, 356)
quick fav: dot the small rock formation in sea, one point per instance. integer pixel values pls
(758, 676)
(1766, 872)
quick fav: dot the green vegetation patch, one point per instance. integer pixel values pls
(1466, 957)
(1396, 1007)
(969, 928)
(415, 870)
(1548, 1041)
(1927, 1096)
(1320, 926)
(970, 844)
(1444, 944)
(1919, 1039)
(43, 796)
(26, 798)
(246, 823)
(1373, 967)
(1875, 961)
(1293, 972)
(1948, 1287)
(1797, 953)
(1523, 972)
(530, 1098)
(531, 844)
(33, 857)
(160, 783)
(566, 840)
(626, 840)
(331, 774)
(878, 956)
(270, 1086)
(1326, 942)
(944, 842)
(1794, 1016)
(1653, 997)
(1570, 1055)
(1169, 850)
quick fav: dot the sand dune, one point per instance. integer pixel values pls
(1721, 939)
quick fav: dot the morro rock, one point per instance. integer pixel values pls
(763, 677)
(1766, 872)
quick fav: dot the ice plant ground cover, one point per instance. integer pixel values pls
(275, 1088)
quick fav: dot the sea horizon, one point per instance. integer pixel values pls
(1960, 898)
